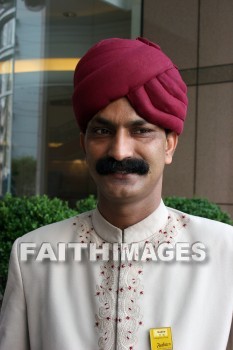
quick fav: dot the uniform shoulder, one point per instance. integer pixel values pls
(205, 225)
(61, 230)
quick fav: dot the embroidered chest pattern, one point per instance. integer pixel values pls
(175, 223)
(119, 290)
(119, 314)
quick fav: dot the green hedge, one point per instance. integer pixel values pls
(199, 207)
(86, 204)
(21, 215)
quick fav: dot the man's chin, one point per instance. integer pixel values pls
(121, 188)
(121, 182)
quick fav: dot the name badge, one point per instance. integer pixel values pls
(161, 338)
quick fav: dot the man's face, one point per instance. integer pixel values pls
(117, 133)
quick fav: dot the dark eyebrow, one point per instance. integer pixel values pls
(101, 120)
(138, 122)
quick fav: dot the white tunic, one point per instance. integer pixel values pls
(112, 305)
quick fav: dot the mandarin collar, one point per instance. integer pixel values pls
(141, 231)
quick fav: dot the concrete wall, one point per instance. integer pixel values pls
(198, 35)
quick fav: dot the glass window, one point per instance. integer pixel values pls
(50, 37)
(7, 31)
(5, 143)
(7, 34)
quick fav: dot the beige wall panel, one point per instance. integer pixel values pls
(228, 209)
(216, 32)
(173, 25)
(215, 143)
(179, 176)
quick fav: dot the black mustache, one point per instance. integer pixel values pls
(109, 165)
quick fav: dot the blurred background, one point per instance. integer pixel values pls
(40, 44)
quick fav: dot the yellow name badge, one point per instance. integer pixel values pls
(161, 338)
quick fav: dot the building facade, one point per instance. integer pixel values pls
(41, 41)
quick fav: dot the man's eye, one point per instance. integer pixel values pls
(101, 131)
(142, 131)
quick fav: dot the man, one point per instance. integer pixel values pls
(130, 103)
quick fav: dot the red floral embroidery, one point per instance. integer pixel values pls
(120, 289)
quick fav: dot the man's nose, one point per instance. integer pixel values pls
(121, 146)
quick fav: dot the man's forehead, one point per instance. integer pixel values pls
(101, 121)
(118, 112)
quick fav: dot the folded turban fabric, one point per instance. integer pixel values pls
(136, 69)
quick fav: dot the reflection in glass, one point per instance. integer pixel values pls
(43, 140)
(5, 143)
(7, 33)
(71, 30)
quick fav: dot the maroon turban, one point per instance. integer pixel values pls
(136, 69)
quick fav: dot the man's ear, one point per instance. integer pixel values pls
(82, 142)
(171, 143)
